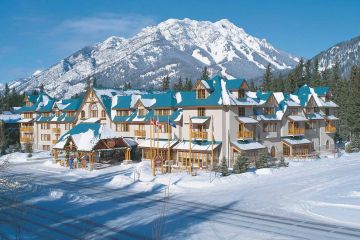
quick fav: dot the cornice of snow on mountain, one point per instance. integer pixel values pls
(173, 47)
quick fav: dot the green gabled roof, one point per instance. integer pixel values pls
(43, 119)
(33, 98)
(63, 118)
(69, 104)
(234, 83)
(122, 102)
(43, 103)
(263, 95)
(162, 100)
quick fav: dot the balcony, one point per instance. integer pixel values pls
(330, 129)
(140, 133)
(199, 135)
(296, 131)
(244, 135)
(56, 130)
(26, 129)
(26, 139)
(54, 141)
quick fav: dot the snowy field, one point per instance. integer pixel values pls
(317, 199)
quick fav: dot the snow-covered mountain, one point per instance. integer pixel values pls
(347, 53)
(173, 47)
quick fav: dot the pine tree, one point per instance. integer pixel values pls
(205, 75)
(7, 90)
(241, 165)
(94, 81)
(325, 78)
(307, 76)
(188, 85)
(41, 88)
(252, 86)
(298, 75)
(179, 85)
(316, 74)
(267, 78)
(263, 161)
(165, 85)
(127, 86)
(224, 168)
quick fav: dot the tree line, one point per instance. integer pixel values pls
(345, 91)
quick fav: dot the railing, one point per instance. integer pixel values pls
(245, 135)
(56, 130)
(296, 131)
(330, 129)
(26, 139)
(140, 133)
(26, 129)
(199, 135)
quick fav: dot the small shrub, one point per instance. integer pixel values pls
(224, 168)
(282, 162)
(241, 165)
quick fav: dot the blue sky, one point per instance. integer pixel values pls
(37, 33)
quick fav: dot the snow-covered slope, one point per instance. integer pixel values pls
(347, 53)
(173, 47)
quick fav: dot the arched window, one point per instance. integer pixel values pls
(273, 153)
(82, 114)
(93, 110)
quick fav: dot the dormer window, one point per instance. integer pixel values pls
(70, 114)
(28, 104)
(93, 110)
(46, 114)
(141, 112)
(57, 113)
(162, 112)
(269, 110)
(82, 114)
(122, 112)
(103, 114)
(241, 93)
(201, 93)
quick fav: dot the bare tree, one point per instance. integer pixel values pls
(160, 221)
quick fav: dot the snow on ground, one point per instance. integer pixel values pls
(128, 197)
(18, 157)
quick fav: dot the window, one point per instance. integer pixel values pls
(93, 110)
(310, 125)
(103, 114)
(241, 111)
(122, 112)
(309, 110)
(67, 126)
(270, 127)
(70, 114)
(269, 110)
(162, 112)
(201, 112)
(201, 93)
(45, 125)
(122, 127)
(45, 137)
(46, 147)
(57, 113)
(82, 114)
(286, 150)
(28, 115)
(141, 112)
(164, 128)
(327, 111)
(241, 93)
(28, 104)
(47, 114)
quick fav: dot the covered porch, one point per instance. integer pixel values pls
(249, 149)
(297, 147)
(90, 143)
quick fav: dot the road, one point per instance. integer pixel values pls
(87, 209)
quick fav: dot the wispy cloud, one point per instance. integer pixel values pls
(77, 33)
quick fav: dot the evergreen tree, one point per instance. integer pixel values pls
(41, 88)
(267, 78)
(252, 86)
(165, 85)
(316, 81)
(326, 78)
(94, 81)
(241, 164)
(282, 162)
(127, 86)
(307, 76)
(224, 168)
(205, 75)
(298, 75)
(7, 90)
(188, 85)
(263, 161)
(179, 85)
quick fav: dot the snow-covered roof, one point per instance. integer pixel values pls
(245, 146)
(10, 118)
(296, 141)
(25, 120)
(314, 116)
(297, 118)
(331, 117)
(247, 120)
(162, 143)
(92, 120)
(197, 145)
(199, 120)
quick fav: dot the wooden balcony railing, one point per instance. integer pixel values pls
(330, 129)
(26, 139)
(199, 134)
(140, 133)
(56, 130)
(26, 129)
(296, 131)
(243, 135)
